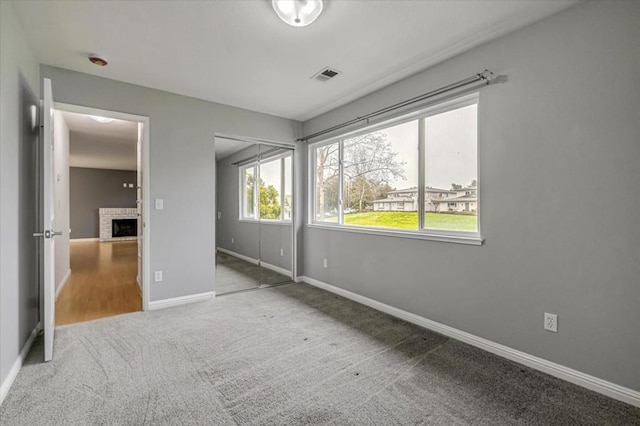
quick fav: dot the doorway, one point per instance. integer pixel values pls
(254, 214)
(101, 173)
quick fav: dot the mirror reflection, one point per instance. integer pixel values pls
(254, 199)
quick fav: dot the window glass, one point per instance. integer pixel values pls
(270, 189)
(248, 182)
(451, 170)
(288, 189)
(327, 159)
(381, 178)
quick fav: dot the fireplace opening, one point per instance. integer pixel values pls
(124, 228)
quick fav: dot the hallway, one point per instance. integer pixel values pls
(102, 282)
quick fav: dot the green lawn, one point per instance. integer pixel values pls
(409, 220)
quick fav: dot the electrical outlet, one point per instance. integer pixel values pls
(551, 322)
(281, 252)
(219, 215)
(231, 240)
(324, 263)
(157, 276)
(159, 204)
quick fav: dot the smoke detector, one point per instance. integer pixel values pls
(99, 60)
(325, 74)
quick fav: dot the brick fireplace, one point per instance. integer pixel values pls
(108, 215)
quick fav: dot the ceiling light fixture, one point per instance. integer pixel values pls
(297, 13)
(99, 119)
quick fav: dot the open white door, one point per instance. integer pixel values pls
(139, 200)
(48, 216)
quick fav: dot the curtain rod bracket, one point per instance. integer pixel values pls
(487, 75)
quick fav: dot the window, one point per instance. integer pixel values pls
(248, 194)
(417, 174)
(272, 197)
(372, 163)
(450, 162)
(287, 176)
(326, 177)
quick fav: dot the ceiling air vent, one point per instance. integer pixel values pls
(325, 74)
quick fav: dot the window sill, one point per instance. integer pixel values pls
(266, 222)
(416, 235)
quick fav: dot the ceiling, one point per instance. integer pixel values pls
(112, 145)
(226, 147)
(118, 129)
(239, 53)
(101, 145)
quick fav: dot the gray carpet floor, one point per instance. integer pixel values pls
(288, 355)
(234, 274)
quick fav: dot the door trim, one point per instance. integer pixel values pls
(146, 205)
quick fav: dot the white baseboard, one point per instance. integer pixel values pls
(604, 387)
(80, 240)
(238, 255)
(182, 300)
(17, 365)
(298, 279)
(64, 281)
(276, 269)
(256, 261)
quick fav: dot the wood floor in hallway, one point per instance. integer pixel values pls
(102, 282)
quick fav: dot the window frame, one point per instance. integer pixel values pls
(255, 165)
(463, 237)
(242, 192)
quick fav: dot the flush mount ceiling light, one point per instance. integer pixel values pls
(101, 119)
(297, 13)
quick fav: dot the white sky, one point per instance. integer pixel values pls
(270, 174)
(451, 148)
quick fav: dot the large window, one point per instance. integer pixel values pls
(266, 190)
(416, 174)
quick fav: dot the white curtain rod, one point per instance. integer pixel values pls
(486, 76)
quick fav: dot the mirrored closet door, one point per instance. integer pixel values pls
(254, 199)
(276, 214)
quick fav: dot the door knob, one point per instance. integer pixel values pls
(47, 234)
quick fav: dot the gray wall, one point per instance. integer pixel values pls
(92, 189)
(559, 152)
(18, 280)
(61, 197)
(255, 240)
(182, 168)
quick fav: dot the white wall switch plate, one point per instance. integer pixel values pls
(325, 264)
(130, 185)
(219, 215)
(551, 322)
(159, 204)
(281, 252)
(231, 240)
(124, 185)
(157, 276)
